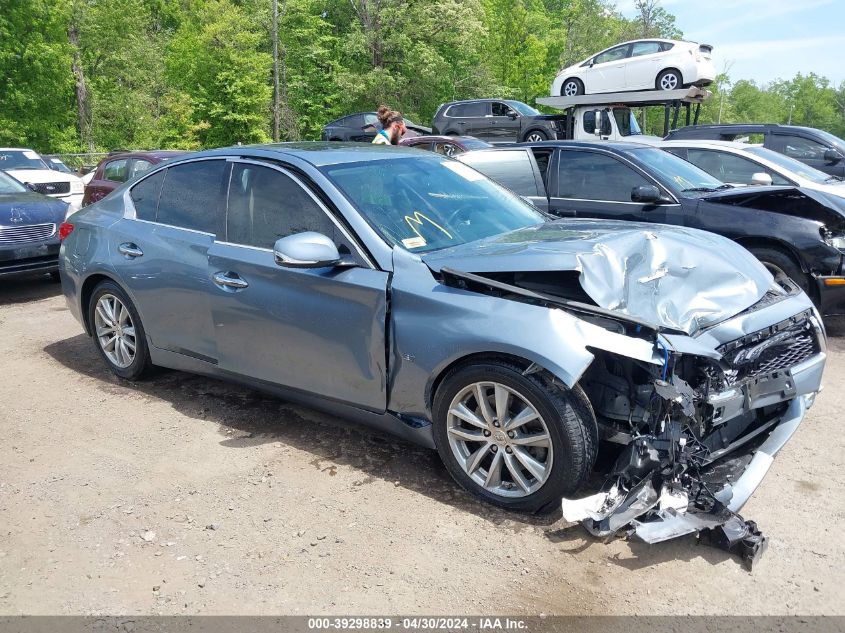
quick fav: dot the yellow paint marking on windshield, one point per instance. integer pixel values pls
(417, 221)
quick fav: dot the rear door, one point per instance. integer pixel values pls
(642, 66)
(316, 330)
(593, 184)
(161, 254)
(475, 119)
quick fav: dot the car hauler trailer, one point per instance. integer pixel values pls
(609, 116)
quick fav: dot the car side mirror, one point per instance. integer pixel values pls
(646, 194)
(599, 123)
(761, 178)
(832, 156)
(306, 250)
(512, 115)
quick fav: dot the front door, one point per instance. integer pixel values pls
(319, 330)
(504, 123)
(607, 74)
(596, 185)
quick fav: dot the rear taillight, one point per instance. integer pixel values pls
(65, 229)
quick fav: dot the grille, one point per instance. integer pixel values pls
(50, 188)
(783, 346)
(26, 233)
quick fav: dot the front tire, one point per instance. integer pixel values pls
(572, 88)
(118, 333)
(514, 440)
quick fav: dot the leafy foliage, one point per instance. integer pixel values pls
(198, 73)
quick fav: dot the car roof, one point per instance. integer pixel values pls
(617, 146)
(485, 100)
(702, 142)
(156, 153)
(319, 153)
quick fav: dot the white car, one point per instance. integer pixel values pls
(638, 65)
(742, 164)
(29, 168)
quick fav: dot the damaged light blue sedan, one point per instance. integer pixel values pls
(407, 291)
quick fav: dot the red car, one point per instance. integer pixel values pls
(116, 169)
(446, 145)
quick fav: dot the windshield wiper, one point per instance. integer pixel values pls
(704, 189)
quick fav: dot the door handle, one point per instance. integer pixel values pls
(129, 250)
(229, 280)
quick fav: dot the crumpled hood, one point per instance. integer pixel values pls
(672, 276)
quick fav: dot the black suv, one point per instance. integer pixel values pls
(816, 148)
(794, 231)
(497, 121)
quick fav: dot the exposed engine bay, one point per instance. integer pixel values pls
(698, 429)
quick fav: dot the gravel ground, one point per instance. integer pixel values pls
(185, 495)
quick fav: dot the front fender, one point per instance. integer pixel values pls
(433, 326)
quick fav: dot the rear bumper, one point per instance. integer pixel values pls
(831, 294)
(30, 259)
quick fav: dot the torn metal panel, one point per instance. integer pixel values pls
(668, 277)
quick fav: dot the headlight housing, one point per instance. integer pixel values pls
(833, 239)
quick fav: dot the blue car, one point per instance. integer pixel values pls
(29, 230)
(408, 291)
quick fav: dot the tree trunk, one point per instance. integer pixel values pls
(83, 105)
(276, 94)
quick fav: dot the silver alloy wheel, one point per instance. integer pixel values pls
(500, 439)
(570, 89)
(669, 81)
(535, 137)
(115, 330)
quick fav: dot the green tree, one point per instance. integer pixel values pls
(217, 58)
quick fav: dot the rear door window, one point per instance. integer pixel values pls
(138, 166)
(475, 109)
(645, 48)
(190, 196)
(593, 176)
(511, 169)
(729, 168)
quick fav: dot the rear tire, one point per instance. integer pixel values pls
(669, 80)
(524, 466)
(118, 333)
(535, 136)
(572, 87)
(779, 262)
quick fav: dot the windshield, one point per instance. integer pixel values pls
(58, 165)
(676, 173)
(790, 164)
(626, 121)
(20, 159)
(426, 203)
(523, 108)
(10, 185)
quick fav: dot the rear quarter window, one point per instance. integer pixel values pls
(145, 196)
(513, 170)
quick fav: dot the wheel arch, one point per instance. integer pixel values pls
(85, 293)
(663, 70)
(482, 357)
(785, 248)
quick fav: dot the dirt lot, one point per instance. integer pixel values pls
(188, 495)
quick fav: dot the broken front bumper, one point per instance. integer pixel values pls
(654, 515)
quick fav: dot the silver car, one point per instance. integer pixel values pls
(407, 291)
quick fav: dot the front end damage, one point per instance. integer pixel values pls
(699, 433)
(699, 429)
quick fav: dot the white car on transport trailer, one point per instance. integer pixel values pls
(638, 65)
(28, 167)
